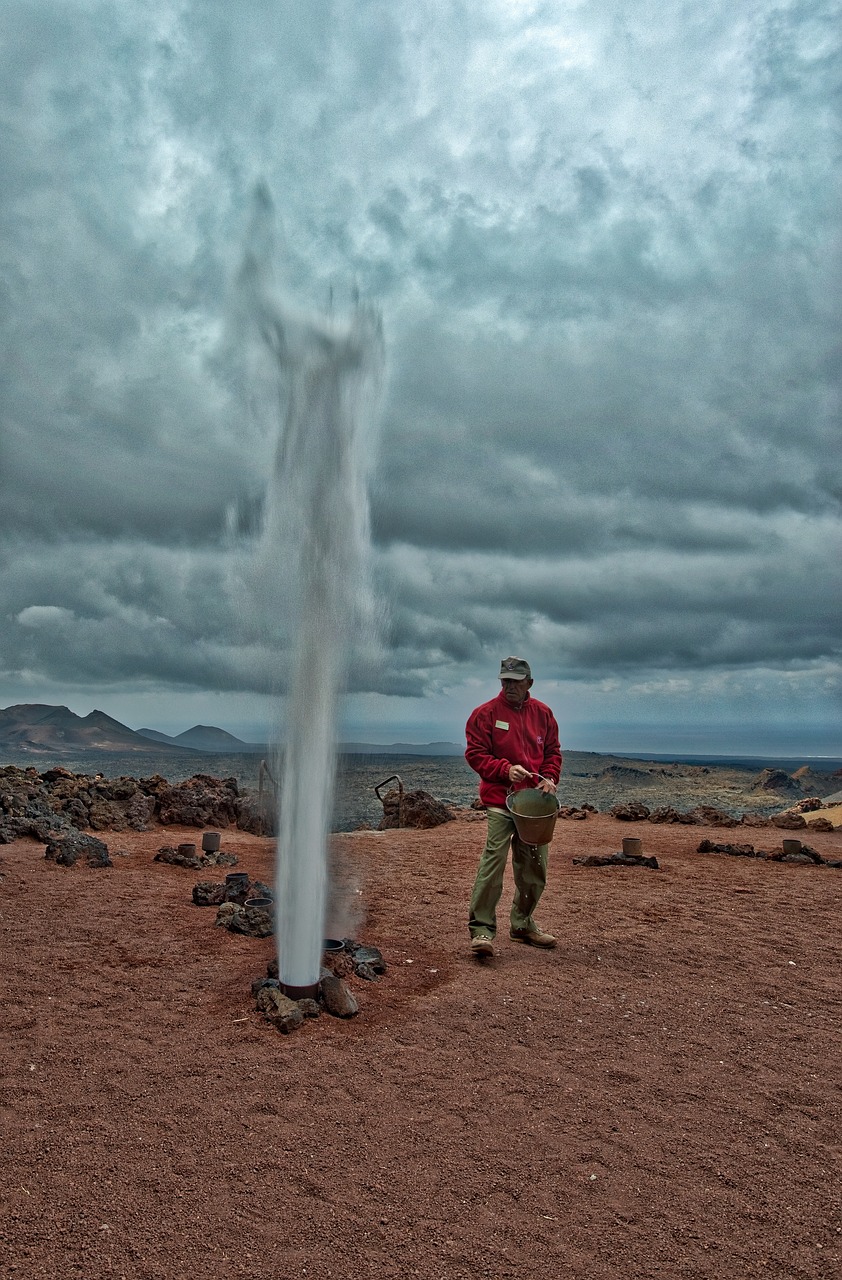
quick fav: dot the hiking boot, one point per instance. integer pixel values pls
(482, 945)
(533, 937)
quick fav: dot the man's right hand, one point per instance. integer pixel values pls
(517, 773)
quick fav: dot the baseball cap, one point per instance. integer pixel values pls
(515, 669)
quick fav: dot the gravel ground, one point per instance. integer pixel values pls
(657, 1097)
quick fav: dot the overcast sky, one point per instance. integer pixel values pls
(604, 240)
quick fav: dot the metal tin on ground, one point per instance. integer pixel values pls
(309, 992)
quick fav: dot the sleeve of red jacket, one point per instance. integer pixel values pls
(478, 750)
(551, 768)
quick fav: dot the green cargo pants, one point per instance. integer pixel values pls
(529, 866)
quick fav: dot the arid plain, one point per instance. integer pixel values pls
(658, 1097)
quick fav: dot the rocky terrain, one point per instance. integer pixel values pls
(44, 805)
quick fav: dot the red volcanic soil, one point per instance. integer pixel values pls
(658, 1097)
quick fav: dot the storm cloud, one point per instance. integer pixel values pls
(605, 244)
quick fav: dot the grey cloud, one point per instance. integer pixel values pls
(160, 493)
(620, 610)
(157, 618)
(606, 247)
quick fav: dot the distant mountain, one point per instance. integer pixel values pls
(206, 737)
(154, 735)
(44, 730)
(402, 749)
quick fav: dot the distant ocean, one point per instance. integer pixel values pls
(601, 780)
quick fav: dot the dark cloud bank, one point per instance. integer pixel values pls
(605, 245)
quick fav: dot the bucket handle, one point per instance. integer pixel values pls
(540, 777)
(393, 778)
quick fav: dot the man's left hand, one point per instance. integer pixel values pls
(547, 785)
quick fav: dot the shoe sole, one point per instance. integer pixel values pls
(530, 942)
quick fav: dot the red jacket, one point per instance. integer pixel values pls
(500, 735)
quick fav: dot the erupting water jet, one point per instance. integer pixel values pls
(332, 372)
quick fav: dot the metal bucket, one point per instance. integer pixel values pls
(534, 814)
(260, 904)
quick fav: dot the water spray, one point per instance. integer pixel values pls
(332, 371)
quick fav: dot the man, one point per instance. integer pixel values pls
(512, 743)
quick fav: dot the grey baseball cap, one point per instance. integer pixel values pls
(515, 669)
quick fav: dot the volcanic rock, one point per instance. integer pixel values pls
(363, 954)
(412, 809)
(212, 893)
(808, 805)
(201, 801)
(34, 804)
(56, 774)
(257, 813)
(65, 850)
(706, 815)
(283, 1013)
(665, 814)
(617, 860)
(789, 821)
(668, 814)
(40, 826)
(104, 816)
(805, 854)
(268, 995)
(176, 858)
(821, 824)
(339, 963)
(209, 893)
(180, 858)
(337, 997)
(253, 923)
(102, 804)
(736, 850)
(633, 811)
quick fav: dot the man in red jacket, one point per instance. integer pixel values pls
(512, 743)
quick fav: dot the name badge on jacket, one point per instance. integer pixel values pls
(501, 724)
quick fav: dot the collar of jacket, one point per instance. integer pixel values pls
(508, 705)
